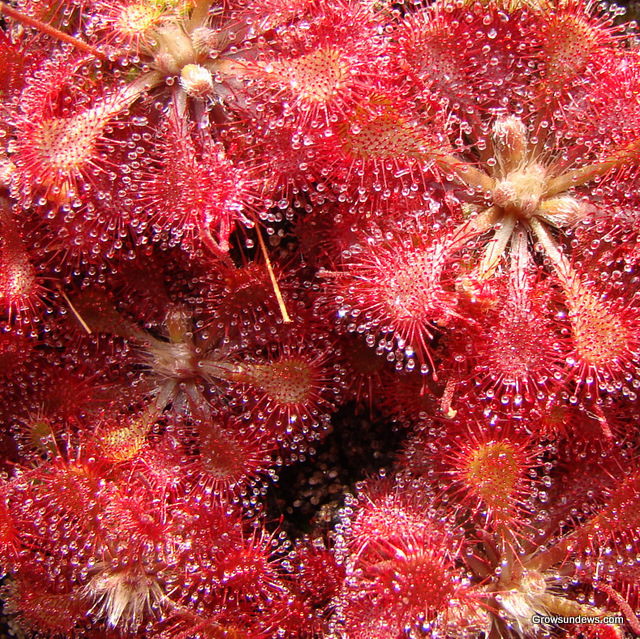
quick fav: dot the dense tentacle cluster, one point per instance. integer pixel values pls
(227, 227)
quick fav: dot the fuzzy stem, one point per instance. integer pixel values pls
(625, 608)
(43, 27)
(224, 371)
(519, 252)
(199, 15)
(520, 261)
(495, 248)
(553, 251)
(580, 176)
(481, 567)
(603, 421)
(588, 173)
(472, 228)
(466, 173)
(447, 399)
(148, 418)
(140, 85)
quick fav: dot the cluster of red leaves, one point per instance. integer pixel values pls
(222, 223)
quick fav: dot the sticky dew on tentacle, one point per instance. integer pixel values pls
(43, 27)
(604, 336)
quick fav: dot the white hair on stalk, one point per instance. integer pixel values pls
(123, 596)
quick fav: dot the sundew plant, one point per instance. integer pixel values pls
(235, 235)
